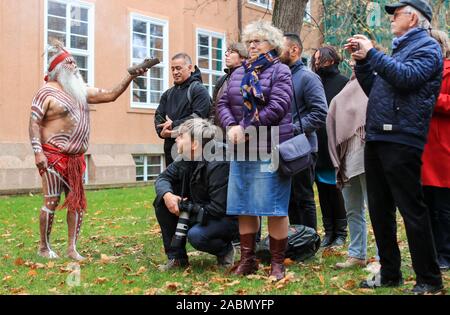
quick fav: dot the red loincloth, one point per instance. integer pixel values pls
(71, 168)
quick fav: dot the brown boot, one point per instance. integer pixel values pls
(247, 265)
(277, 250)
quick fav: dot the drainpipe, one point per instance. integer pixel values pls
(239, 11)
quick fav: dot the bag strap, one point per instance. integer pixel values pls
(296, 108)
(190, 89)
(295, 99)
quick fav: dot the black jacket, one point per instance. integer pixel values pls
(175, 104)
(333, 82)
(205, 184)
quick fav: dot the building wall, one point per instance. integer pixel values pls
(117, 129)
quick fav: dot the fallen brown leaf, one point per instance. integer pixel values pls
(19, 262)
(349, 284)
(100, 280)
(32, 273)
(173, 286)
(288, 262)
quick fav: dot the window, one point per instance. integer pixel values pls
(262, 3)
(307, 17)
(72, 23)
(149, 38)
(86, 172)
(148, 167)
(210, 57)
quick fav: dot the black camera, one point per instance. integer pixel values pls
(190, 213)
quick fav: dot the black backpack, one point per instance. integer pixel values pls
(303, 243)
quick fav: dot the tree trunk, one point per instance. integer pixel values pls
(437, 5)
(288, 15)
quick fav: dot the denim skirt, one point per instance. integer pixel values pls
(256, 190)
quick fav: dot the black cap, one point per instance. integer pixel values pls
(421, 5)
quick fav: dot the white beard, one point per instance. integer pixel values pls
(73, 84)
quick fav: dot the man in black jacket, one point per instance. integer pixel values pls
(187, 99)
(196, 188)
(311, 104)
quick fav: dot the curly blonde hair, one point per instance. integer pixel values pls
(442, 38)
(264, 30)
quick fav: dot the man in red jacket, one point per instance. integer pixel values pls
(436, 162)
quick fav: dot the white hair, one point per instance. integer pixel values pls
(423, 22)
(264, 30)
(199, 129)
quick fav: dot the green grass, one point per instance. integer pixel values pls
(121, 239)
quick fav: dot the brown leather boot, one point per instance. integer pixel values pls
(247, 265)
(277, 250)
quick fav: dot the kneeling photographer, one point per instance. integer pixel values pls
(191, 200)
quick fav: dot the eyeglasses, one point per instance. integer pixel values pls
(256, 42)
(398, 13)
(230, 51)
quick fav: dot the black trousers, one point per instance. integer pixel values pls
(302, 206)
(214, 237)
(331, 202)
(393, 179)
(438, 201)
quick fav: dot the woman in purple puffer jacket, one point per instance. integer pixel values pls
(256, 105)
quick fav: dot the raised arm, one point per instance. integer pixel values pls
(97, 96)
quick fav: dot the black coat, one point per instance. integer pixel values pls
(205, 184)
(333, 82)
(175, 104)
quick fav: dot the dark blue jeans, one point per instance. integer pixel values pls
(214, 238)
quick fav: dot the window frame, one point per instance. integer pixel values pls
(164, 65)
(86, 172)
(90, 52)
(146, 165)
(209, 72)
(307, 17)
(259, 4)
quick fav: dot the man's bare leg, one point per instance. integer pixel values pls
(74, 220)
(51, 187)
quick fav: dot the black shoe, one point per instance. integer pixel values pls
(422, 289)
(376, 282)
(327, 240)
(340, 232)
(444, 268)
(174, 263)
(339, 241)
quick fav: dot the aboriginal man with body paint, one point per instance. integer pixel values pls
(59, 134)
